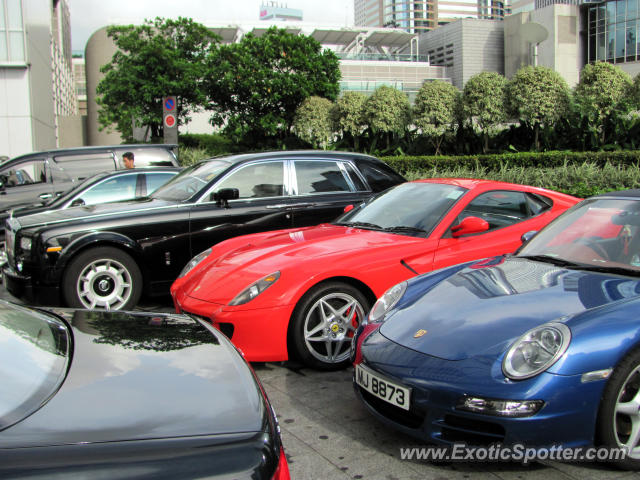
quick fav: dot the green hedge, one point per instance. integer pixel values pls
(525, 159)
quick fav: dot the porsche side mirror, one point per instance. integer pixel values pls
(469, 225)
(78, 202)
(528, 236)
(223, 196)
(348, 208)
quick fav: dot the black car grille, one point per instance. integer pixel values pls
(471, 431)
(393, 413)
(226, 328)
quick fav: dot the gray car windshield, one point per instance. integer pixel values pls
(34, 354)
(191, 180)
(410, 208)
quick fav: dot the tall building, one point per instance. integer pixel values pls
(418, 16)
(36, 81)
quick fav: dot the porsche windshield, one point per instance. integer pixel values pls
(598, 234)
(34, 353)
(410, 208)
(191, 180)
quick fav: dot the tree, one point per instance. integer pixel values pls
(159, 58)
(388, 113)
(256, 85)
(601, 98)
(484, 103)
(313, 122)
(435, 110)
(538, 97)
(348, 116)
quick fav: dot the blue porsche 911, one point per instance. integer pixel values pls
(540, 348)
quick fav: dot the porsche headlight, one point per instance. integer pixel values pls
(387, 301)
(194, 261)
(255, 289)
(536, 351)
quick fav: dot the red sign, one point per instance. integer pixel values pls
(169, 121)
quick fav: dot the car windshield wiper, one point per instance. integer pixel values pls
(360, 225)
(404, 229)
(560, 262)
(582, 266)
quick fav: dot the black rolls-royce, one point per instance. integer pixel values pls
(105, 256)
(95, 394)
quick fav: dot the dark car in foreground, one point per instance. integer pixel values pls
(540, 348)
(89, 394)
(104, 256)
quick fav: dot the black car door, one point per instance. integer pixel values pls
(262, 189)
(322, 188)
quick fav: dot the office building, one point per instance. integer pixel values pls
(36, 80)
(419, 16)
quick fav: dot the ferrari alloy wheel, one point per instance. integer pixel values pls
(324, 323)
(619, 416)
(103, 278)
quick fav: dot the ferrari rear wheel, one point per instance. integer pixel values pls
(619, 415)
(324, 323)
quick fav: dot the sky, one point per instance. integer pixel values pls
(87, 16)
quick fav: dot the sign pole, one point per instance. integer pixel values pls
(170, 120)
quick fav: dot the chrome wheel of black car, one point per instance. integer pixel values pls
(324, 323)
(619, 416)
(103, 278)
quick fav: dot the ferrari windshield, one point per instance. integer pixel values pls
(600, 233)
(34, 353)
(191, 180)
(413, 208)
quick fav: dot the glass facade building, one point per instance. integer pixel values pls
(613, 30)
(11, 32)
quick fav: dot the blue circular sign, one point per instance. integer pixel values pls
(169, 104)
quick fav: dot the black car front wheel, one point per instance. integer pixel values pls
(103, 278)
(324, 323)
(619, 415)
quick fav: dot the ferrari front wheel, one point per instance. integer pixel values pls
(324, 323)
(619, 415)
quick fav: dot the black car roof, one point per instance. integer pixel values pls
(246, 157)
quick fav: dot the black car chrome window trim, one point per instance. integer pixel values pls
(336, 161)
(357, 171)
(285, 178)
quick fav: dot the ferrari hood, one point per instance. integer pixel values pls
(136, 376)
(483, 309)
(313, 247)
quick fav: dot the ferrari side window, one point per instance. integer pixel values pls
(499, 208)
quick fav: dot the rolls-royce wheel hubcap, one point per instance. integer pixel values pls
(104, 283)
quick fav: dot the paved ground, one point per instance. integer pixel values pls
(328, 434)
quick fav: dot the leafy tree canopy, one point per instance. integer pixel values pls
(602, 89)
(313, 122)
(387, 110)
(256, 85)
(484, 99)
(435, 106)
(349, 113)
(161, 57)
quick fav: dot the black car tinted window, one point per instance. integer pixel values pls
(379, 177)
(264, 179)
(355, 178)
(110, 190)
(318, 176)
